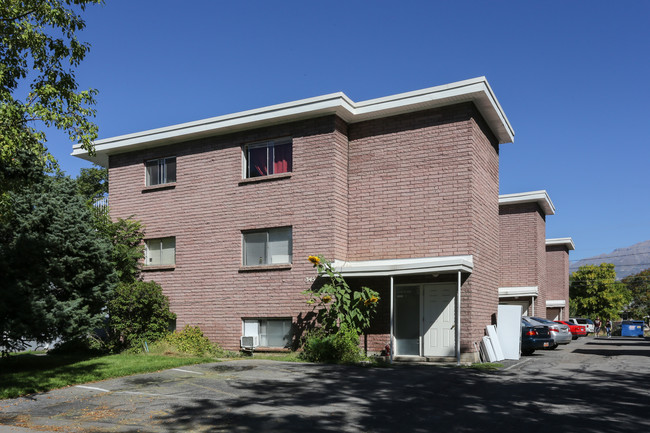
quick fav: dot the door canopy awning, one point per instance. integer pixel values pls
(555, 303)
(417, 266)
(518, 292)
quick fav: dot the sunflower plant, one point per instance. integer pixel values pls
(337, 303)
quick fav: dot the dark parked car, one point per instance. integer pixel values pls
(534, 336)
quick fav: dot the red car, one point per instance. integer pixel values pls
(576, 330)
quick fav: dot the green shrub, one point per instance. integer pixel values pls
(340, 347)
(138, 312)
(192, 341)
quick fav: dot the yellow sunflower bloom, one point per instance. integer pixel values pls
(315, 260)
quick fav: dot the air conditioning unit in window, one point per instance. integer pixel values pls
(249, 342)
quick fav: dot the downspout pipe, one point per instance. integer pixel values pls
(392, 319)
(458, 321)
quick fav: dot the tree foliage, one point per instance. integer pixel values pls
(92, 183)
(39, 51)
(56, 267)
(594, 292)
(639, 288)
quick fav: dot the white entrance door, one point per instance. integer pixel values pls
(438, 314)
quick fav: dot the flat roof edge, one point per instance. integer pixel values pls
(477, 90)
(540, 197)
(568, 242)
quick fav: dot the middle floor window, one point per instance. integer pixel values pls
(161, 251)
(267, 247)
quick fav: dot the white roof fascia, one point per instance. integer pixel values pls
(476, 90)
(515, 292)
(540, 197)
(559, 303)
(424, 265)
(568, 242)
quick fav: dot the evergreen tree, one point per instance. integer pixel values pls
(56, 267)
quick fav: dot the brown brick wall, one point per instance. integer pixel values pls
(481, 298)
(522, 240)
(410, 185)
(210, 206)
(426, 185)
(557, 275)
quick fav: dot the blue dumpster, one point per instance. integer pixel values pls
(632, 328)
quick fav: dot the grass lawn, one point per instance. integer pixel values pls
(28, 373)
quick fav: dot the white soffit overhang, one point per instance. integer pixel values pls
(540, 197)
(516, 292)
(560, 303)
(476, 90)
(567, 242)
(418, 266)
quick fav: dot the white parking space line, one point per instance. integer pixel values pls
(148, 394)
(517, 364)
(186, 371)
(93, 388)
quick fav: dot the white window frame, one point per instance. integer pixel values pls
(258, 327)
(150, 253)
(267, 258)
(162, 177)
(270, 146)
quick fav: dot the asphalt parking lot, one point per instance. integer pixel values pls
(591, 385)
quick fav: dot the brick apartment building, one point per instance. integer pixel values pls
(534, 271)
(557, 277)
(401, 192)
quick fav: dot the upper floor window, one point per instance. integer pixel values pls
(267, 247)
(160, 252)
(270, 157)
(161, 171)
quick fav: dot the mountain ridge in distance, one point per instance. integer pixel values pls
(627, 260)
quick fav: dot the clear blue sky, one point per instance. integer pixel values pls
(573, 78)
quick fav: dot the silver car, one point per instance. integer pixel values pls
(560, 332)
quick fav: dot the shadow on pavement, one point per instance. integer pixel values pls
(423, 399)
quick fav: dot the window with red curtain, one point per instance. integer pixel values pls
(282, 158)
(267, 158)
